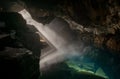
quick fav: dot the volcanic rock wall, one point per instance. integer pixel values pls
(100, 19)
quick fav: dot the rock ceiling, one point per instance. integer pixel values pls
(96, 22)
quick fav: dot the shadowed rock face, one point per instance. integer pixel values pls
(21, 67)
(101, 16)
(16, 43)
(96, 22)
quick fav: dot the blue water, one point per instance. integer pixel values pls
(108, 61)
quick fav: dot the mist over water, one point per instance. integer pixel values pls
(65, 46)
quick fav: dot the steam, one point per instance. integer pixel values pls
(63, 49)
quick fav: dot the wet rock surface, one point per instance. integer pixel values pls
(96, 22)
(98, 17)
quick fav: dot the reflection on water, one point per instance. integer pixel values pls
(95, 64)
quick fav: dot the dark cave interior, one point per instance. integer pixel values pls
(59, 39)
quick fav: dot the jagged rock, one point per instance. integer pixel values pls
(98, 40)
(22, 31)
(98, 23)
(113, 44)
(110, 42)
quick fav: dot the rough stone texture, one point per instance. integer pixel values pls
(100, 17)
(27, 37)
(97, 23)
(16, 59)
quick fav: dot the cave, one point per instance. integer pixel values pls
(59, 39)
